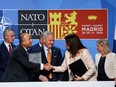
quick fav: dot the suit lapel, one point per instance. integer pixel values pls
(53, 52)
(13, 46)
(5, 50)
(23, 50)
(44, 59)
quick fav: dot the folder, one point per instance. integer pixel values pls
(78, 67)
(35, 57)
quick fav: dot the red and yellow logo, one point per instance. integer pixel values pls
(88, 24)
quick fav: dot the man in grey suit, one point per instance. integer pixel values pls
(19, 66)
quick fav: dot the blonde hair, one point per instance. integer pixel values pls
(105, 45)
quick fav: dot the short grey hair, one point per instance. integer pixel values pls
(6, 31)
(105, 45)
(46, 33)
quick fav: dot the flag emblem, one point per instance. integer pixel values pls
(62, 24)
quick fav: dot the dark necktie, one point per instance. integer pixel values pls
(10, 48)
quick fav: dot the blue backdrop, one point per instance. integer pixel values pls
(68, 4)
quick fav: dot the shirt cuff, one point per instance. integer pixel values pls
(42, 65)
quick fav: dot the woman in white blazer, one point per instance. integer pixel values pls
(105, 62)
(75, 51)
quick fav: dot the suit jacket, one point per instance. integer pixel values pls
(4, 57)
(19, 66)
(110, 64)
(86, 58)
(56, 60)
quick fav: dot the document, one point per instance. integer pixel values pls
(35, 57)
(78, 68)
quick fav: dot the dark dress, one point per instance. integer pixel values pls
(101, 71)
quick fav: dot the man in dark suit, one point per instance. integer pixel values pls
(5, 49)
(19, 66)
(56, 57)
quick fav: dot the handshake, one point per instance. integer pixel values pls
(48, 67)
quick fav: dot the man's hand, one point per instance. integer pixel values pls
(43, 78)
(47, 67)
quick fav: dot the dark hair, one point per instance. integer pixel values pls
(74, 43)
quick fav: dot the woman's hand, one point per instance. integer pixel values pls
(53, 67)
(78, 78)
